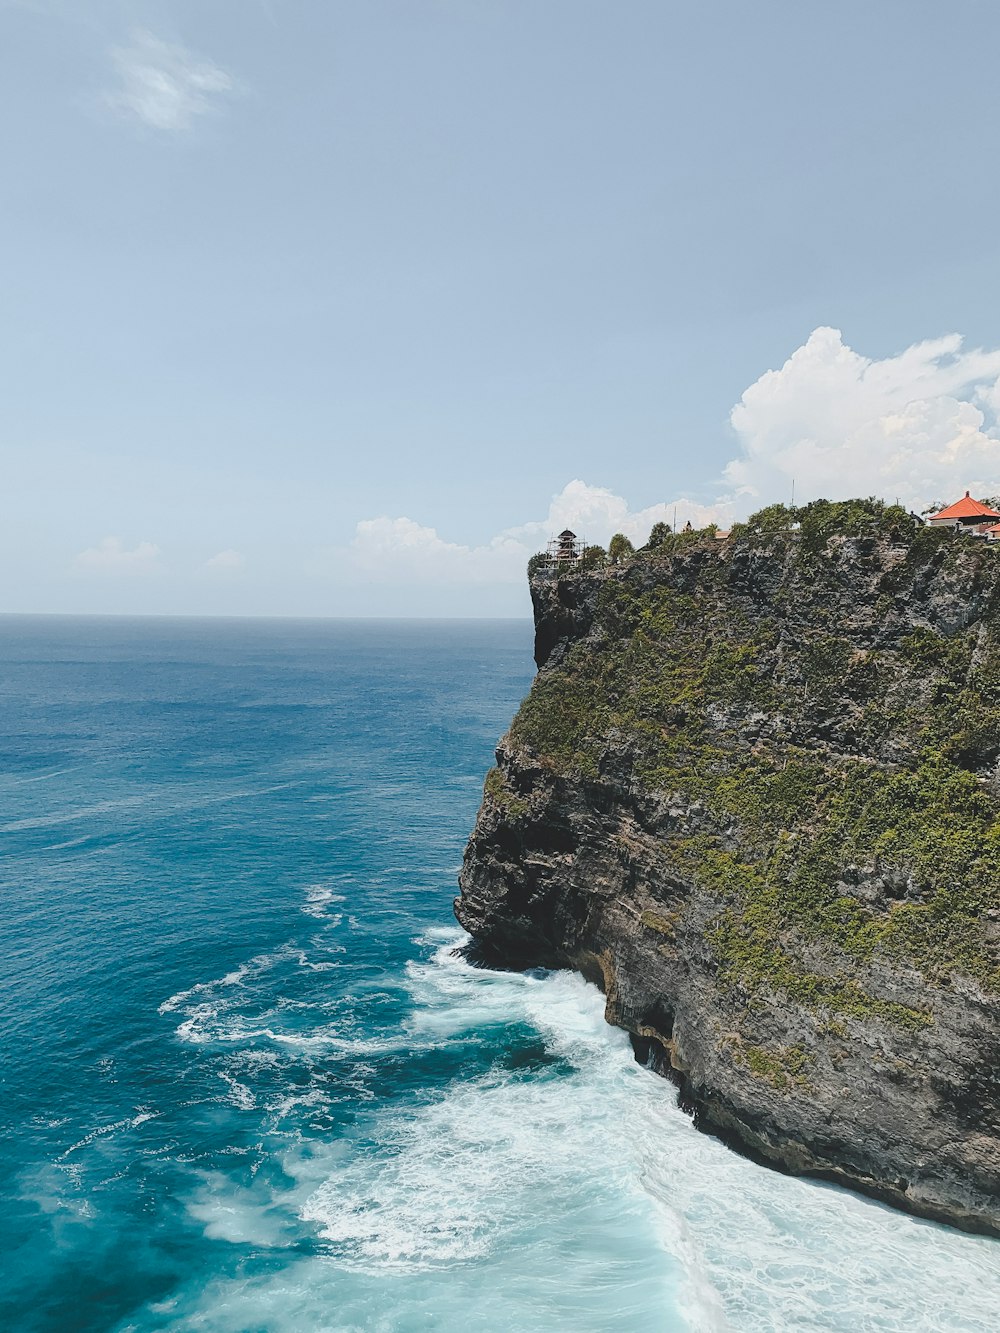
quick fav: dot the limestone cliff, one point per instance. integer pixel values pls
(754, 795)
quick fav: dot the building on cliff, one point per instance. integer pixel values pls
(967, 515)
(568, 547)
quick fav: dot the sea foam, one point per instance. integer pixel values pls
(573, 1171)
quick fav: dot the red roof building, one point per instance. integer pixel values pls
(964, 513)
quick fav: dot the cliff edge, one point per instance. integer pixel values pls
(754, 795)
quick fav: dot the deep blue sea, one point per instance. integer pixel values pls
(249, 1087)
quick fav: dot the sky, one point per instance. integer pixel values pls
(342, 308)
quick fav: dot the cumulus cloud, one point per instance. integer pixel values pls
(596, 513)
(163, 85)
(402, 550)
(225, 562)
(111, 556)
(918, 426)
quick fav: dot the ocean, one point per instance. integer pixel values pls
(248, 1084)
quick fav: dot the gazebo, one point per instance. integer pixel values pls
(965, 513)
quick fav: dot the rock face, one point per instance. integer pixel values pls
(754, 795)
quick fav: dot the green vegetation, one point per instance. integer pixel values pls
(663, 925)
(592, 557)
(840, 787)
(497, 789)
(658, 534)
(820, 520)
(784, 1067)
(620, 549)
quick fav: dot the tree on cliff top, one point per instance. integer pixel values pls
(658, 534)
(592, 557)
(620, 549)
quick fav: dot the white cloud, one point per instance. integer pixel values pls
(111, 556)
(164, 85)
(596, 513)
(225, 562)
(401, 550)
(919, 426)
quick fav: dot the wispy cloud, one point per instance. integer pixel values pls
(163, 85)
(225, 562)
(111, 556)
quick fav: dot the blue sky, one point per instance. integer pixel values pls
(313, 308)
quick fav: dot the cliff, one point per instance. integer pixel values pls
(754, 795)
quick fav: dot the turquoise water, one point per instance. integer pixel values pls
(247, 1082)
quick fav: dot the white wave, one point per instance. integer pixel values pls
(318, 898)
(119, 1126)
(69, 843)
(304, 961)
(788, 1253)
(311, 1099)
(239, 1094)
(572, 1196)
(211, 1009)
(470, 1175)
(234, 978)
(208, 1024)
(40, 777)
(253, 1059)
(516, 1179)
(759, 1251)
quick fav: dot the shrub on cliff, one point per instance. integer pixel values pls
(820, 520)
(767, 522)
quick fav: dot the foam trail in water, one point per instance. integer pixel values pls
(554, 1187)
(760, 1250)
(119, 1126)
(318, 898)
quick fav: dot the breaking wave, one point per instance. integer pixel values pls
(332, 1122)
(555, 1178)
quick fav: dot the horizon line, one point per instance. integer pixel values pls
(200, 615)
